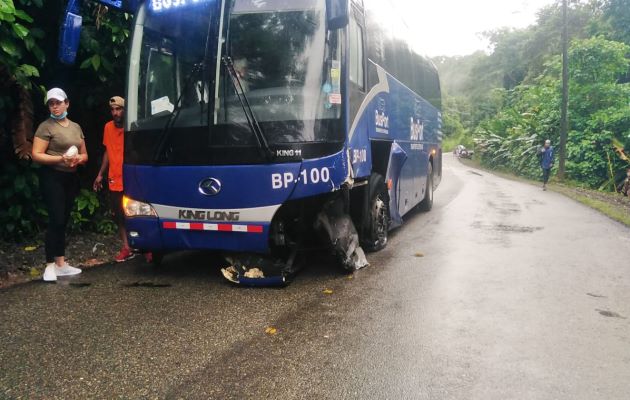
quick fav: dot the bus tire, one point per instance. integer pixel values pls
(427, 203)
(376, 220)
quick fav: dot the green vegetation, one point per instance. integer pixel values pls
(508, 102)
(28, 65)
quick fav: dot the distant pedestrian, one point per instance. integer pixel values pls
(625, 189)
(546, 156)
(59, 146)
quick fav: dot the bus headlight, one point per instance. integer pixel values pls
(135, 208)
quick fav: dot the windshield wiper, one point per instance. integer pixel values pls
(168, 127)
(247, 109)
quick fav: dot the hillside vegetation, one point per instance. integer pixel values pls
(507, 102)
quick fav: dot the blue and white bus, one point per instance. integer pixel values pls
(262, 127)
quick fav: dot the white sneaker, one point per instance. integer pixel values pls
(67, 270)
(50, 273)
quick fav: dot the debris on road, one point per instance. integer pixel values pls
(256, 270)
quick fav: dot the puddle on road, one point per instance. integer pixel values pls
(610, 314)
(510, 207)
(506, 228)
(516, 228)
(148, 285)
(505, 208)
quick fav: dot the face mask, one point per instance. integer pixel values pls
(62, 116)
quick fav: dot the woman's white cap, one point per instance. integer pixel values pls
(57, 94)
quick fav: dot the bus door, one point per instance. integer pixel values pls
(360, 156)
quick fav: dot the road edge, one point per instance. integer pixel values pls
(607, 208)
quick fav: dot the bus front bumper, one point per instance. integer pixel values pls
(153, 234)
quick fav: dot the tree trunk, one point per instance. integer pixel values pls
(21, 120)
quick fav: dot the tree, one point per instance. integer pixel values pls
(617, 14)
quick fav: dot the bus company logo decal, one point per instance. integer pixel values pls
(250, 215)
(381, 120)
(417, 129)
(210, 215)
(210, 186)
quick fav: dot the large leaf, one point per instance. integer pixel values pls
(28, 70)
(96, 62)
(23, 16)
(7, 7)
(9, 47)
(86, 63)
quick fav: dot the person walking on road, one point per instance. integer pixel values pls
(59, 147)
(546, 156)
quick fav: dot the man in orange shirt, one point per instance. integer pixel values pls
(114, 142)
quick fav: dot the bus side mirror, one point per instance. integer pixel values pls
(337, 14)
(70, 33)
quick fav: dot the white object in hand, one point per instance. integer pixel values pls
(72, 152)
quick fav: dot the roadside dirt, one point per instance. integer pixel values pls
(21, 262)
(614, 199)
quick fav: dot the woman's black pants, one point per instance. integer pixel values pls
(59, 190)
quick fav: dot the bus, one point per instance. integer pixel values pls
(261, 128)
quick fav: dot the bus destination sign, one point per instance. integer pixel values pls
(164, 5)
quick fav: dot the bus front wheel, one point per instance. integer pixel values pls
(376, 222)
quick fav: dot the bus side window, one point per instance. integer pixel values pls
(357, 73)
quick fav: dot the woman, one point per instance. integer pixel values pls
(59, 146)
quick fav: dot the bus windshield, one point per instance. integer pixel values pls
(287, 62)
(167, 54)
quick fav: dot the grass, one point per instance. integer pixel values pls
(613, 205)
(615, 211)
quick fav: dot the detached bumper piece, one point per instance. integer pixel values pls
(258, 271)
(339, 229)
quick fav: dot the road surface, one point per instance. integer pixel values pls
(502, 291)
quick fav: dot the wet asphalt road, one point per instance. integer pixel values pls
(518, 294)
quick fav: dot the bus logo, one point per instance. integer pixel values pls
(417, 129)
(210, 187)
(381, 120)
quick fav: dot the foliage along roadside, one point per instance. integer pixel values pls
(509, 100)
(28, 65)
